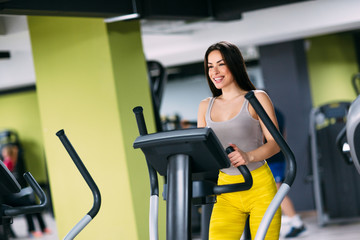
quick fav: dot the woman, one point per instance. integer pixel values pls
(236, 124)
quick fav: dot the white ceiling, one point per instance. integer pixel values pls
(174, 43)
(179, 42)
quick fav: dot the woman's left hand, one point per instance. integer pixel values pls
(238, 157)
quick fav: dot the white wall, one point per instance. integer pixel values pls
(18, 70)
(182, 97)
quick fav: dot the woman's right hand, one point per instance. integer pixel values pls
(238, 157)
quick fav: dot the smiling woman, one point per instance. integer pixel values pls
(236, 124)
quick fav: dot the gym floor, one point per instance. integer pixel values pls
(348, 231)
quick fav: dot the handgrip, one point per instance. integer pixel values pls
(140, 120)
(243, 169)
(14, 211)
(154, 186)
(289, 155)
(84, 172)
(290, 165)
(238, 186)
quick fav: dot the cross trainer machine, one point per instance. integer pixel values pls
(351, 132)
(185, 157)
(9, 185)
(336, 182)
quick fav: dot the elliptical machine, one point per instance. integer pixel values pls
(186, 157)
(9, 185)
(350, 134)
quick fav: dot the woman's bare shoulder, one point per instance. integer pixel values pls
(204, 104)
(206, 100)
(261, 95)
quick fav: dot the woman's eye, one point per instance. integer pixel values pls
(210, 66)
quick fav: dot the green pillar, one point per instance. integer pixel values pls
(89, 76)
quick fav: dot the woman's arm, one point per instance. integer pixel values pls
(239, 157)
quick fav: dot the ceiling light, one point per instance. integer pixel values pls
(122, 18)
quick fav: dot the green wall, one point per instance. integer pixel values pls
(331, 63)
(20, 112)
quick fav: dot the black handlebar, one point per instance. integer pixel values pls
(14, 211)
(289, 155)
(237, 186)
(84, 172)
(355, 78)
(154, 186)
(243, 169)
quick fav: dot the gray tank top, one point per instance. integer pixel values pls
(242, 130)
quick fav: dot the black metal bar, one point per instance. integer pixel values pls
(15, 211)
(289, 155)
(206, 210)
(8, 183)
(154, 186)
(84, 172)
(354, 83)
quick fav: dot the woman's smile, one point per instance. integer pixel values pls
(218, 79)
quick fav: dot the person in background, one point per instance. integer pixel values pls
(277, 165)
(10, 154)
(236, 124)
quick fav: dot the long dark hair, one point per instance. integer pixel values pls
(234, 61)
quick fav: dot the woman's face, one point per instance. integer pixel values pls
(219, 73)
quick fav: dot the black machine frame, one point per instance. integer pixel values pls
(171, 154)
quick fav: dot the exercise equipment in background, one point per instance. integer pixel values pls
(355, 83)
(336, 183)
(157, 80)
(348, 140)
(9, 185)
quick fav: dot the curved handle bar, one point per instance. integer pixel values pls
(289, 155)
(218, 189)
(290, 166)
(84, 172)
(14, 211)
(353, 81)
(154, 186)
(8, 183)
(339, 143)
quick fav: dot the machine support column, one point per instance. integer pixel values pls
(179, 190)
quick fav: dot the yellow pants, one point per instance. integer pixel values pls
(232, 209)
